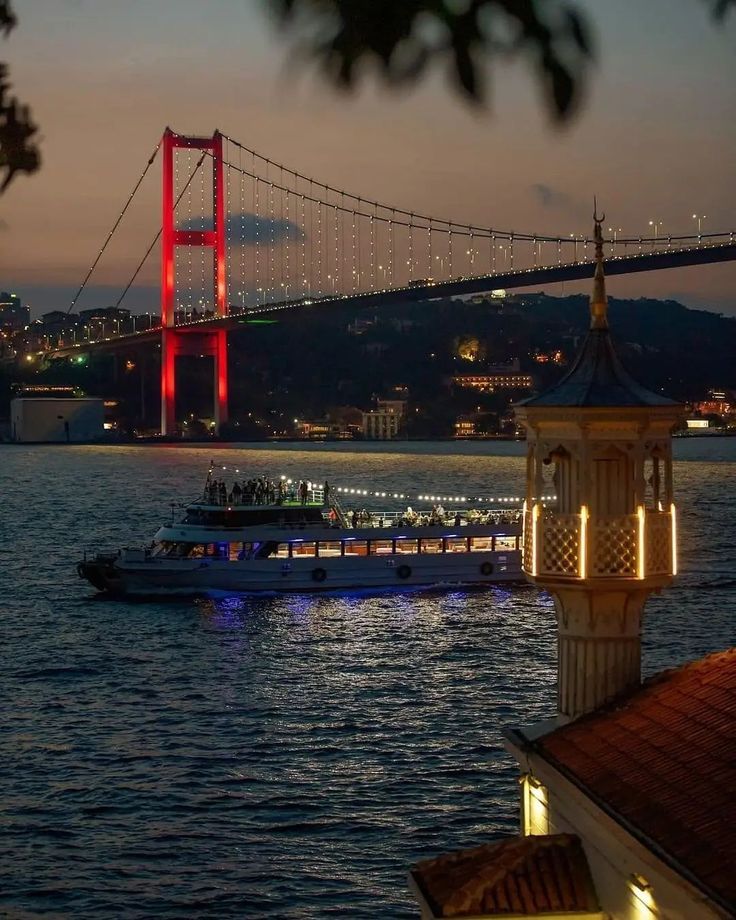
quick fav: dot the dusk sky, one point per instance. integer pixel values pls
(655, 139)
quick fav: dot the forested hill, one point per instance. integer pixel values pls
(336, 355)
(320, 360)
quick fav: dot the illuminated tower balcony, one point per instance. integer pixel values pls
(577, 548)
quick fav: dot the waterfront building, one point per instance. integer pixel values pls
(104, 314)
(626, 796)
(465, 428)
(43, 420)
(494, 380)
(13, 315)
(56, 321)
(383, 422)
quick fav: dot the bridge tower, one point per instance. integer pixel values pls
(175, 340)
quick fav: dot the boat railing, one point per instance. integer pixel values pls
(362, 519)
(289, 496)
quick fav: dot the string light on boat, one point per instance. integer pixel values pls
(425, 496)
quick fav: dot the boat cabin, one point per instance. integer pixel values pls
(299, 548)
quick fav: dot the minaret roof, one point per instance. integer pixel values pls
(597, 378)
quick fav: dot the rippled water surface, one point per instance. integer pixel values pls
(283, 756)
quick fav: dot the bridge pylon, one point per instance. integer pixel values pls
(178, 340)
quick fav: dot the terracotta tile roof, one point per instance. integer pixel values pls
(664, 759)
(529, 875)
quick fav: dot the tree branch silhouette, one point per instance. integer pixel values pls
(404, 38)
(18, 150)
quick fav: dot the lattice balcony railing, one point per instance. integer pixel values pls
(589, 546)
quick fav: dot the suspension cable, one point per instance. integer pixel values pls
(487, 232)
(114, 227)
(158, 235)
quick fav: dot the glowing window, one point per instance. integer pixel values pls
(506, 544)
(329, 548)
(303, 549)
(407, 546)
(481, 544)
(431, 546)
(381, 547)
(282, 551)
(356, 547)
(456, 545)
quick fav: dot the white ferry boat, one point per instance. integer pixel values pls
(289, 542)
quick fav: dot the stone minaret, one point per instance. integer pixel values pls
(602, 444)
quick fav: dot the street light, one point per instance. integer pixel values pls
(655, 224)
(699, 218)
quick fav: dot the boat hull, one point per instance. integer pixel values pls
(191, 577)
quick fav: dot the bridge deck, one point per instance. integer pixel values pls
(509, 280)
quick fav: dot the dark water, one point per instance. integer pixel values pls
(282, 757)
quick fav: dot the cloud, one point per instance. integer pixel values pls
(246, 229)
(550, 197)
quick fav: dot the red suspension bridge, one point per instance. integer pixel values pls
(242, 234)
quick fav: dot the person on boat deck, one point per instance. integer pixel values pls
(303, 492)
(282, 491)
(354, 519)
(327, 493)
(236, 493)
(222, 492)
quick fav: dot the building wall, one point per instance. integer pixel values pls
(56, 420)
(555, 805)
(382, 424)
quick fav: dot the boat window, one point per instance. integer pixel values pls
(381, 547)
(504, 544)
(356, 547)
(407, 546)
(197, 551)
(481, 544)
(329, 548)
(177, 550)
(282, 551)
(239, 551)
(456, 545)
(431, 546)
(303, 549)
